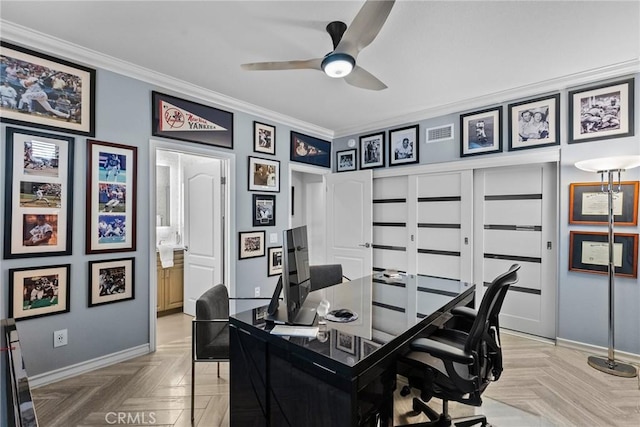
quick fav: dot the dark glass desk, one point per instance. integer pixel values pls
(348, 378)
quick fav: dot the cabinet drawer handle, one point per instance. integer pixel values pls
(325, 368)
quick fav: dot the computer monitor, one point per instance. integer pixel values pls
(295, 282)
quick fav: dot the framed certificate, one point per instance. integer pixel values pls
(588, 203)
(589, 253)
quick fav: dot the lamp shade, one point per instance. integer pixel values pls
(609, 163)
(338, 65)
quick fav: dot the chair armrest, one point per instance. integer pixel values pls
(442, 351)
(467, 312)
(210, 320)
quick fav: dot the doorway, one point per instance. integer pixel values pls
(308, 205)
(191, 208)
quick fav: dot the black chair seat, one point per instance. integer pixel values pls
(216, 349)
(458, 362)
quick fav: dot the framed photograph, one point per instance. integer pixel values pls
(372, 151)
(264, 210)
(251, 244)
(534, 123)
(310, 150)
(404, 146)
(189, 121)
(601, 112)
(367, 347)
(589, 204)
(39, 291)
(39, 194)
(111, 281)
(589, 253)
(111, 197)
(46, 92)
(259, 315)
(264, 174)
(345, 342)
(346, 160)
(275, 261)
(264, 138)
(481, 132)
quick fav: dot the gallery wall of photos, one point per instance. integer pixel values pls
(60, 99)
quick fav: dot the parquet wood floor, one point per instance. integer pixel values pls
(542, 385)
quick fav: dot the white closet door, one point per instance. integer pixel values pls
(515, 222)
(390, 234)
(444, 218)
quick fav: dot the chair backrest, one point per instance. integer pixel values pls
(323, 276)
(487, 314)
(213, 304)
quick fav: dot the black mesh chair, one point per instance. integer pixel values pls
(210, 332)
(322, 276)
(458, 362)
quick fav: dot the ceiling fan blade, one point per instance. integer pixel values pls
(312, 64)
(365, 27)
(361, 78)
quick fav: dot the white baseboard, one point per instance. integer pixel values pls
(87, 366)
(598, 350)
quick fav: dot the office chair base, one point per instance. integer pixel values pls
(612, 367)
(444, 420)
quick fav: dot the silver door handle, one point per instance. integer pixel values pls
(366, 245)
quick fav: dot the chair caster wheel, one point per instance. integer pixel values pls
(405, 391)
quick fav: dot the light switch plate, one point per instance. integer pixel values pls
(273, 237)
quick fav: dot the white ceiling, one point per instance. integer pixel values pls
(430, 54)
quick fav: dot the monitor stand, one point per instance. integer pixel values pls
(305, 317)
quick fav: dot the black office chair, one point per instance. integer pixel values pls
(459, 361)
(210, 332)
(323, 276)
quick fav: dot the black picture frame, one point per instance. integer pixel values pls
(347, 160)
(62, 95)
(111, 197)
(602, 111)
(53, 282)
(534, 123)
(174, 118)
(345, 342)
(274, 261)
(264, 175)
(404, 145)
(310, 150)
(372, 151)
(264, 210)
(481, 132)
(251, 244)
(597, 244)
(111, 281)
(39, 170)
(264, 138)
(588, 204)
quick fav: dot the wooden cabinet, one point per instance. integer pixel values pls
(170, 283)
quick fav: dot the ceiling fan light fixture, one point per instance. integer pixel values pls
(338, 65)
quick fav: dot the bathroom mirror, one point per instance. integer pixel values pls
(163, 196)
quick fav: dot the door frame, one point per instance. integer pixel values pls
(228, 167)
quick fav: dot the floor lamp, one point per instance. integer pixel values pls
(608, 167)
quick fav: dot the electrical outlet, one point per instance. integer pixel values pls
(257, 291)
(60, 338)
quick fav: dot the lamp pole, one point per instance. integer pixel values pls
(610, 166)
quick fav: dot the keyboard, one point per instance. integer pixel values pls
(295, 331)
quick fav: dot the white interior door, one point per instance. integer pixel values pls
(515, 210)
(203, 203)
(350, 222)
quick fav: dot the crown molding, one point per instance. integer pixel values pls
(36, 40)
(536, 89)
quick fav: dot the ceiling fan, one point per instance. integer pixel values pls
(347, 44)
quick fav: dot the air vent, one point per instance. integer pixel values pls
(442, 133)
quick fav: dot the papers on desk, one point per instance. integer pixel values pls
(295, 331)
